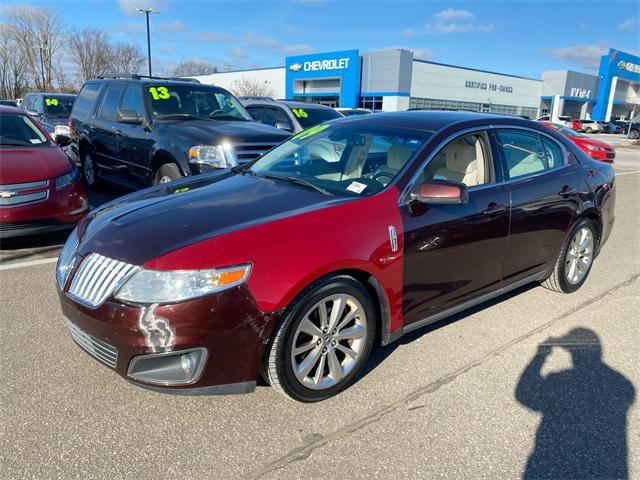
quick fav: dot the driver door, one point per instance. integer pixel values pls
(453, 253)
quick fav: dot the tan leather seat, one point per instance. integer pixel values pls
(464, 164)
(397, 156)
(526, 165)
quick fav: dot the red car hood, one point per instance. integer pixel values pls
(29, 164)
(591, 141)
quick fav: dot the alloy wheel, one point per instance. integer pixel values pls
(329, 341)
(165, 179)
(89, 169)
(579, 256)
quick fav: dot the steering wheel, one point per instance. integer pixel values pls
(215, 112)
(377, 175)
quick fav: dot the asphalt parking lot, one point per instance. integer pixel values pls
(460, 399)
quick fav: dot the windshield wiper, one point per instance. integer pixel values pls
(296, 180)
(180, 115)
(229, 117)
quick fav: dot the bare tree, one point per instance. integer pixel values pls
(13, 78)
(125, 58)
(91, 53)
(249, 87)
(38, 33)
(192, 67)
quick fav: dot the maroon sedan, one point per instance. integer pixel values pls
(293, 266)
(40, 189)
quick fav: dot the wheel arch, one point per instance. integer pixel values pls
(160, 157)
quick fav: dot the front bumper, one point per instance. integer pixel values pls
(228, 325)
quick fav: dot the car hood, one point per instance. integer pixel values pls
(145, 225)
(30, 164)
(592, 141)
(214, 132)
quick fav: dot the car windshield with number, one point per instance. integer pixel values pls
(19, 130)
(58, 107)
(196, 102)
(310, 117)
(354, 160)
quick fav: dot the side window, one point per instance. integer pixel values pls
(523, 152)
(39, 106)
(553, 153)
(257, 113)
(27, 103)
(132, 101)
(465, 160)
(272, 116)
(84, 102)
(109, 105)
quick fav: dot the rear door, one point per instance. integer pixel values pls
(544, 187)
(106, 142)
(135, 140)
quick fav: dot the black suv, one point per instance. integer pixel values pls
(144, 131)
(49, 109)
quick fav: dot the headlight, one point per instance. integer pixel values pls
(63, 181)
(594, 148)
(217, 156)
(61, 130)
(165, 286)
(67, 258)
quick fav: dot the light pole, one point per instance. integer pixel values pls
(147, 11)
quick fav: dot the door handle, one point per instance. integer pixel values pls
(494, 209)
(567, 191)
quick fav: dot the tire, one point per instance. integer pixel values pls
(589, 130)
(167, 173)
(567, 276)
(90, 170)
(634, 134)
(355, 331)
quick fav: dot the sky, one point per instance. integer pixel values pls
(510, 36)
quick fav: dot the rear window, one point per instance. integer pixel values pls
(83, 105)
(312, 116)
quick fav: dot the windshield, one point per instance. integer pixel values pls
(58, 107)
(343, 159)
(312, 116)
(194, 101)
(19, 130)
(569, 132)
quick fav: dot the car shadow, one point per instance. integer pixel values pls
(583, 431)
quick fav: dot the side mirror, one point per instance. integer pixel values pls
(63, 140)
(439, 192)
(284, 126)
(34, 113)
(130, 117)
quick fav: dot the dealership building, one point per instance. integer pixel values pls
(395, 80)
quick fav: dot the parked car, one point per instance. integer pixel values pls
(564, 120)
(610, 127)
(139, 132)
(40, 189)
(293, 265)
(590, 126)
(634, 129)
(596, 149)
(288, 115)
(8, 103)
(347, 112)
(49, 109)
(623, 124)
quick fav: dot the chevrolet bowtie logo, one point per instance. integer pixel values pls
(6, 194)
(295, 67)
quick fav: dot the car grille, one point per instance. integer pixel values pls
(107, 354)
(6, 227)
(23, 193)
(97, 278)
(245, 152)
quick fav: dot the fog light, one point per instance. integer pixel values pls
(169, 368)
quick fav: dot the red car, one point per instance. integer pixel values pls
(40, 189)
(294, 265)
(596, 149)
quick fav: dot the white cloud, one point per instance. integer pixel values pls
(215, 37)
(409, 33)
(632, 23)
(175, 26)
(273, 44)
(586, 56)
(452, 14)
(237, 53)
(297, 49)
(418, 53)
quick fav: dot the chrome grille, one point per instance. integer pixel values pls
(107, 354)
(245, 152)
(97, 278)
(23, 193)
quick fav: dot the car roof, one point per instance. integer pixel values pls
(11, 109)
(52, 94)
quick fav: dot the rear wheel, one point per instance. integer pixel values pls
(575, 260)
(90, 170)
(167, 173)
(589, 130)
(323, 341)
(634, 134)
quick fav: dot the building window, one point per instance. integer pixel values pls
(372, 103)
(417, 103)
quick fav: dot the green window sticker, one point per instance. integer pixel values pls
(51, 101)
(310, 131)
(181, 190)
(159, 93)
(299, 112)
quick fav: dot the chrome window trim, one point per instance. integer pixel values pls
(25, 186)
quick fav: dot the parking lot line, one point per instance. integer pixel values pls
(30, 263)
(627, 173)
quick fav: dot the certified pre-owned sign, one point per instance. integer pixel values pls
(318, 65)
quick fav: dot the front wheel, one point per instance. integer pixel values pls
(323, 341)
(167, 173)
(575, 260)
(90, 170)
(634, 134)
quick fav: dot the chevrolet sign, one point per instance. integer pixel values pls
(320, 65)
(296, 67)
(6, 194)
(628, 66)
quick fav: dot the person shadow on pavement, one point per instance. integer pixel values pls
(583, 431)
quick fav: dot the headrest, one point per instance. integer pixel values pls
(461, 157)
(397, 156)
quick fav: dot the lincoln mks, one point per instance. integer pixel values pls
(348, 234)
